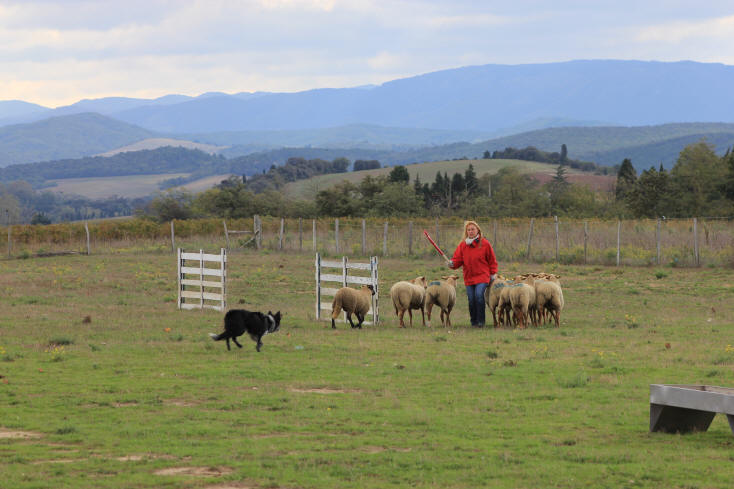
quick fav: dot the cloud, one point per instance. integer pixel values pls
(721, 28)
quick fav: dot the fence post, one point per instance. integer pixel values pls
(586, 240)
(336, 234)
(318, 280)
(300, 234)
(281, 233)
(695, 242)
(313, 233)
(657, 242)
(258, 232)
(530, 238)
(364, 237)
(86, 228)
(558, 246)
(344, 271)
(173, 238)
(178, 279)
(494, 242)
(226, 233)
(384, 241)
(410, 237)
(438, 237)
(619, 239)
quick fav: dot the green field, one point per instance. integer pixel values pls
(425, 171)
(129, 186)
(105, 384)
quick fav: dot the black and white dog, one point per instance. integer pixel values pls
(256, 324)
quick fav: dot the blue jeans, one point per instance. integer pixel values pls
(475, 294)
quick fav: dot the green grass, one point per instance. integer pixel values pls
(425, 171)
(111, 386)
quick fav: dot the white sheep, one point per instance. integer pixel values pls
(549, 298)
(492, 296)
(352, 301)
(504, 306)
(443, 294)
(407, 295)
(522, 299)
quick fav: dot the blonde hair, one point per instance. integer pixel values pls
(479, 233)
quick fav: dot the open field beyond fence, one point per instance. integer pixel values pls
(104, 383)
(671, 242)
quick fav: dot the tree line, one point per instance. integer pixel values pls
(700, 184)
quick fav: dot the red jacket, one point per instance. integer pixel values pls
(478, 261)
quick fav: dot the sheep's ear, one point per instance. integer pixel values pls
(445, 277)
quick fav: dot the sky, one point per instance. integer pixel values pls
(54, 53)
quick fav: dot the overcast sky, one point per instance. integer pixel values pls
(57, 52)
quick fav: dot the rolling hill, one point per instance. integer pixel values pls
(72, 136)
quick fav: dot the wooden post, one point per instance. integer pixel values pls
(695, 242)
(364, 238)
(619, 239)
(558, 245)
(300, 234)
(318, 279)
(344, 271)
(86, 228)
(384, 241)
(7, 218)
(313, 233)
(494, 242)
(336, 234)
(586, 240)
(410, 237)
(438, 237)
(226, 233)
(530, 238)
(281, 233)
(173, 238)
(179, 278)
(657, 242)
(258, 232)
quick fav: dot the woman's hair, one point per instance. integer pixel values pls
(466, 235)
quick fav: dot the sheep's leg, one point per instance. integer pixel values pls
(400, 315)
(423, 314)
(349, 318)
(360, 319)
(410, 314)
(429, 308)
(557, 317)
(494, 316)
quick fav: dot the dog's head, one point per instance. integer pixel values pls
(275, 325)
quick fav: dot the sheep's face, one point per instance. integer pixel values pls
(370, 288)
(421, 281)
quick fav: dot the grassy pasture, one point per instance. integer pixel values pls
(130, 186)
(104, 384)
(425, 171)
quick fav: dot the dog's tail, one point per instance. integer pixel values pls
(217, 337)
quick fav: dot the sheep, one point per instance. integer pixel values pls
(352, 301)
(409, 295)
(442, 293)
(549, 297)
(492, 296)
(504, 305)
(522, 299)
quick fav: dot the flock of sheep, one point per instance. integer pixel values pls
(536, 297)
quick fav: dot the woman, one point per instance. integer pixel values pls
(476, 255)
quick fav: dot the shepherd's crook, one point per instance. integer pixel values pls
(425, 233)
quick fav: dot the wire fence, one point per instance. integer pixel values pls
(639, 242)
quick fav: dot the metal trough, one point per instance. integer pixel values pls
(687, 408)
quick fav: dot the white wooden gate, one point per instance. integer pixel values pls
(204, 287)
(344, 278)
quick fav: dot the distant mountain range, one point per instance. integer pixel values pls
(603, 110)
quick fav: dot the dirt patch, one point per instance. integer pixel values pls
(180, 402)
(374, 449)
(232, 486)
(195, 471)
(19, 435)
(324, 390)
(59, 461)
(125, 404)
